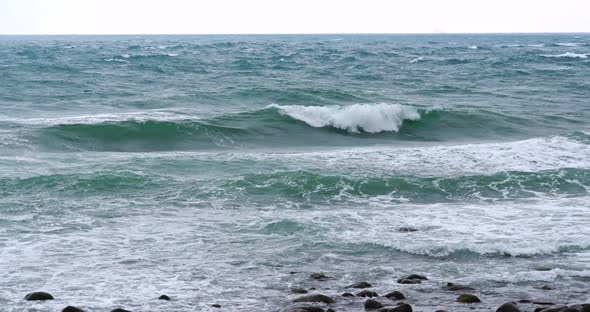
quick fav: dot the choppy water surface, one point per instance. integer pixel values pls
(210, 168)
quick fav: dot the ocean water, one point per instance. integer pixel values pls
(226, 169)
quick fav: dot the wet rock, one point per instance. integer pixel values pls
(544, 303)
(456, 287)
(305, 309)
(216, 305)
(38, 295)
(554, 309)
(315, 298)
(570, 309)
(440, 311)
(401, 308)
(347, 295)
(371, 304)
(330, 310)
(585, 308)
(407, 229)
(546, 287)
(411, 279)
(524, 301)
(508, 307)
(395, 295)
(164, 297)
(319, 276)
(467, 298)
(367, 293)
(72, 309)
(298, 290)
(120, 310)
(360, 285)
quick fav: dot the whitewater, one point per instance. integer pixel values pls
(225, 170)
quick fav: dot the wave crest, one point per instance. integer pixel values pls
(372, 118)
(567, 55)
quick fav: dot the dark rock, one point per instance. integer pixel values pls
(315, 298)
(72, 309)
(414, 277)
(585, 308)
(371, 304)
(524, 301)
(407, 229)
(164, 297)
(401, 308)
(395, 295)
(456, 287)
(39, 295)
(554, 309)
(347, 295)
(298, 290)
(411, 279)
(508, 307)
(546, 287)
(305, 309)
(330, 310)
(440, 311)
(120, 310)
(367, 293)
(360, 285)
(216, 305)
(467, 298)
(544, 303)
(319, 276)
(570, 309)
(539, 309)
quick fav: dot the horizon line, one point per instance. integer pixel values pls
(283, 34)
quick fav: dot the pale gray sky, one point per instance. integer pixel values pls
(291, 16)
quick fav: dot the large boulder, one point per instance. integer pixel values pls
(72, 309)
(508, 307)
(38, 295)
(315, 298)
(164, 297)
(411, 279)
(395, 295)
(400, 308)
(371, 304)
(468, 298)
(360, 285)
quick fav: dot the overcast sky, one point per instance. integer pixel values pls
(290, 16)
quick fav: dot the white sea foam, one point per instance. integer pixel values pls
(358, 117)
(98, 118)
(474, 47)
(567, 44)
(568, 55)
(417, 59)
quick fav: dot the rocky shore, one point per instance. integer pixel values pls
(363, 296)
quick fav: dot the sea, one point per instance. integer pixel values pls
(225, 169)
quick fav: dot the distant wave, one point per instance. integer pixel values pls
(567, 55)
(372, 118)
(333, 125)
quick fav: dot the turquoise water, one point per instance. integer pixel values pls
(211, 167)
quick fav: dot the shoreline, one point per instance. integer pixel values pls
(316, 292)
